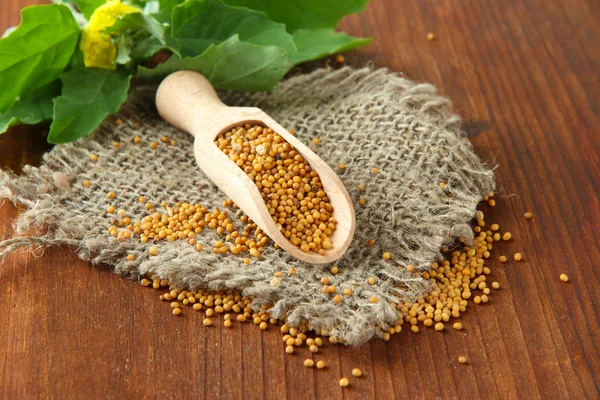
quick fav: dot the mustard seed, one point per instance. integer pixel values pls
(506, 236)
(87, 183)
(116, 145)
(227, 323)
(439, 326)
(292, 191)
(320, 364)
(386, 256)
(153, 145)
(462, 360)
(356, 372)
(197, 307)
(334, 270)
(289, 349)
(344, 382)
(94, 157)
(502, 259)
(137, 140)
(340, 59)
(518, 257)
(458, 326)
(528, 215)
(207, 322)
(373, 299)
(361, 187)
(313, 348)
(263, 325)
(371, 280)
(176, 311)
(342, 166)
(309, 363)
(495, 285)
(430, 37)
(375, 170)
(153, 251)
(564, 277)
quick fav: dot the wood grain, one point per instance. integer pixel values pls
(525, 77)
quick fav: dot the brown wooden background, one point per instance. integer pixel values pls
(525, 76)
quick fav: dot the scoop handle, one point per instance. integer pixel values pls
(187, 100)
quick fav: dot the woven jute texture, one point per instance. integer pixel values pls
(365, 118)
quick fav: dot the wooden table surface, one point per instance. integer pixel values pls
(525, 76)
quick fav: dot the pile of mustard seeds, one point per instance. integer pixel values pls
(291, 190)
(457, 282)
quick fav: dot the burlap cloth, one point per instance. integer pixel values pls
(365, 118)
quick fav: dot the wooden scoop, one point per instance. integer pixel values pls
(187, 100)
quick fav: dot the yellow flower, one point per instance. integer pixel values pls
(98, 50)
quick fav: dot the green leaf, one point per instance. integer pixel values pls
(318, 43)
(138, 37)
(168, 5)
(304, 14)
(37, 52)
(89, 95)
(32, 110)
(136, 22)
(87, 7)
(198, 24)
(232, 64)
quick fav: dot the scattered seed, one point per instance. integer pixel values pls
(344, 382)
(458, 326)
(340, 59)
(430, 37)
(94, 157)
(176, 311)
(528, 215)
(564, 277)
(462, 360)
(502, 259)
(309, 363)
(356, 372)
(518, 257)
(320, 364)
(507, 236)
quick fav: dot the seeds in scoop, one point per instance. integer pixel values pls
(564, 277)
(309, 363)
(290, 188)
(344, 382)
(462, 359)
(356, 372)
